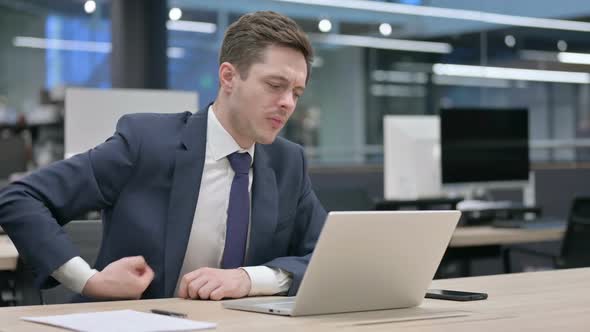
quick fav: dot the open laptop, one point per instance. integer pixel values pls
(368, 260)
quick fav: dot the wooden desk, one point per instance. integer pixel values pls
(469, 243)
(538, 301)
(487, 235)
(8, 254)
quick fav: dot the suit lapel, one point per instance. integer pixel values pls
(264, 207)
(188, 169)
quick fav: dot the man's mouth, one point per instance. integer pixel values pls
(276, 122)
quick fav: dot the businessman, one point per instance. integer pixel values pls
(208, 205)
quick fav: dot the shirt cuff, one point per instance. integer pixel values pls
(267, 281)
(74, 274)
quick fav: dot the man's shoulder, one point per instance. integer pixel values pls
(152, 122)
(283, 153)
(150, 119)
(283, 145)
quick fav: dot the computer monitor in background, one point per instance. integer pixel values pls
(484, 147)
(411, 147)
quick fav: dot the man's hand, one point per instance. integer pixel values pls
(214, 284)
(126, 278)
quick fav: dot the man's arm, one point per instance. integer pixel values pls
(217, 284)
(267, 281)
(33, 209)
(309, 220)
(74, 274)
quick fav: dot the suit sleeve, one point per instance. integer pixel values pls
(309, 220)
(33, 209)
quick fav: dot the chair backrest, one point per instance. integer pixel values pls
(13, 156)
(575, 251)
(344, 199)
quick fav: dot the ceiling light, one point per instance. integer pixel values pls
(385, 29)
(175, 14)
(577, 58)
(78, 45)
(89, 6)
(325, 25)
(510, 41)
(175, 52)
(192, 26)
(382, 43)
(62, 44)
(511, 73)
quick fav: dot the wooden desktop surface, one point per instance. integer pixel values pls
(537, 301)
(463, 237)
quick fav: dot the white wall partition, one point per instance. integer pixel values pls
(91, 114)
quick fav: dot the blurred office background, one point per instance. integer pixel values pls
(361, 73)
(373, 58)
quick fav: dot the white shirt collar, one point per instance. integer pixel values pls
(220, 142)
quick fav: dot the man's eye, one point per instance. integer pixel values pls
(274, 86)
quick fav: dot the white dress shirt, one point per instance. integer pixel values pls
(207, 239)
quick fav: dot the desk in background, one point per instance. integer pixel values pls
(466, 243)
(8, 254)
(477, 242)
(8, 272)
(463, 237)
(538, 301)
(486, 235)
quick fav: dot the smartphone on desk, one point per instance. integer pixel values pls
(453, 295)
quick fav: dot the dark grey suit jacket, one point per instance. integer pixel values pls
(146, 180)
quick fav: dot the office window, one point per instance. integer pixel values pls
(46, 45)
(81, 56)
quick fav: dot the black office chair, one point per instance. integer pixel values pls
(344, 199)
(575, 248)
(13, 156)
(441, 203)
(86, 235)
(575, 251)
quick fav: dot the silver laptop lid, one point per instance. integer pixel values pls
(374, 260)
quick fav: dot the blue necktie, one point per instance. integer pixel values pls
(238, 212)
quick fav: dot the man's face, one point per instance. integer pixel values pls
(261, 104)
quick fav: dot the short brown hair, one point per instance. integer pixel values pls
(246, 39)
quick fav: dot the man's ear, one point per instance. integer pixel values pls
(227, 73)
